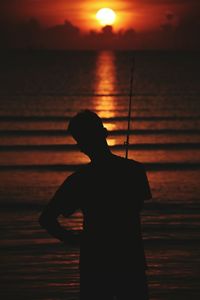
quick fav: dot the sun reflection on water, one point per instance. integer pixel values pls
(105, 89)
(105, 86)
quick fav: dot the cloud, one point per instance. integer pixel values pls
(61, 36)
(188, 31)
(31, 34)
(169, 16)
(21, 34)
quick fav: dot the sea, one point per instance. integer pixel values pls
(40, 91)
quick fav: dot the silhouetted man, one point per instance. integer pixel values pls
(110, 192)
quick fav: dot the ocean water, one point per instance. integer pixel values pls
(39, 92)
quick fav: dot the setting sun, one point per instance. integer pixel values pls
(106, 16)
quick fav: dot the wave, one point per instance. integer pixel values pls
(73, 147)
(112, 132)
(73, 167)
(49, 92)
(161, 207)
(109, 119)
(54, 246)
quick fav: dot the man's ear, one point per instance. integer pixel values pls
(105, 132)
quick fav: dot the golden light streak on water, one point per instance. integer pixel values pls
(105, 85)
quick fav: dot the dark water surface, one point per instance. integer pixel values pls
(39, 92)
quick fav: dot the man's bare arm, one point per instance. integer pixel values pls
(62, 203)
(49, 220)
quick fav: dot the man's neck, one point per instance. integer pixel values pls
(102, 155)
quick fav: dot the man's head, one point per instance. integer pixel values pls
(87, 129)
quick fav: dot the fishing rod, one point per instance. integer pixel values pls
(129, 108)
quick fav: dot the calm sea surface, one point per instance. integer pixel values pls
(39, 92)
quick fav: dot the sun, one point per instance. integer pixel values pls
(106, 16)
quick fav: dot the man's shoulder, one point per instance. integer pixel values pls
(136, 164)
(130, 163)
(77, 175)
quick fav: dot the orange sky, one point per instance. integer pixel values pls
(143, 15)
